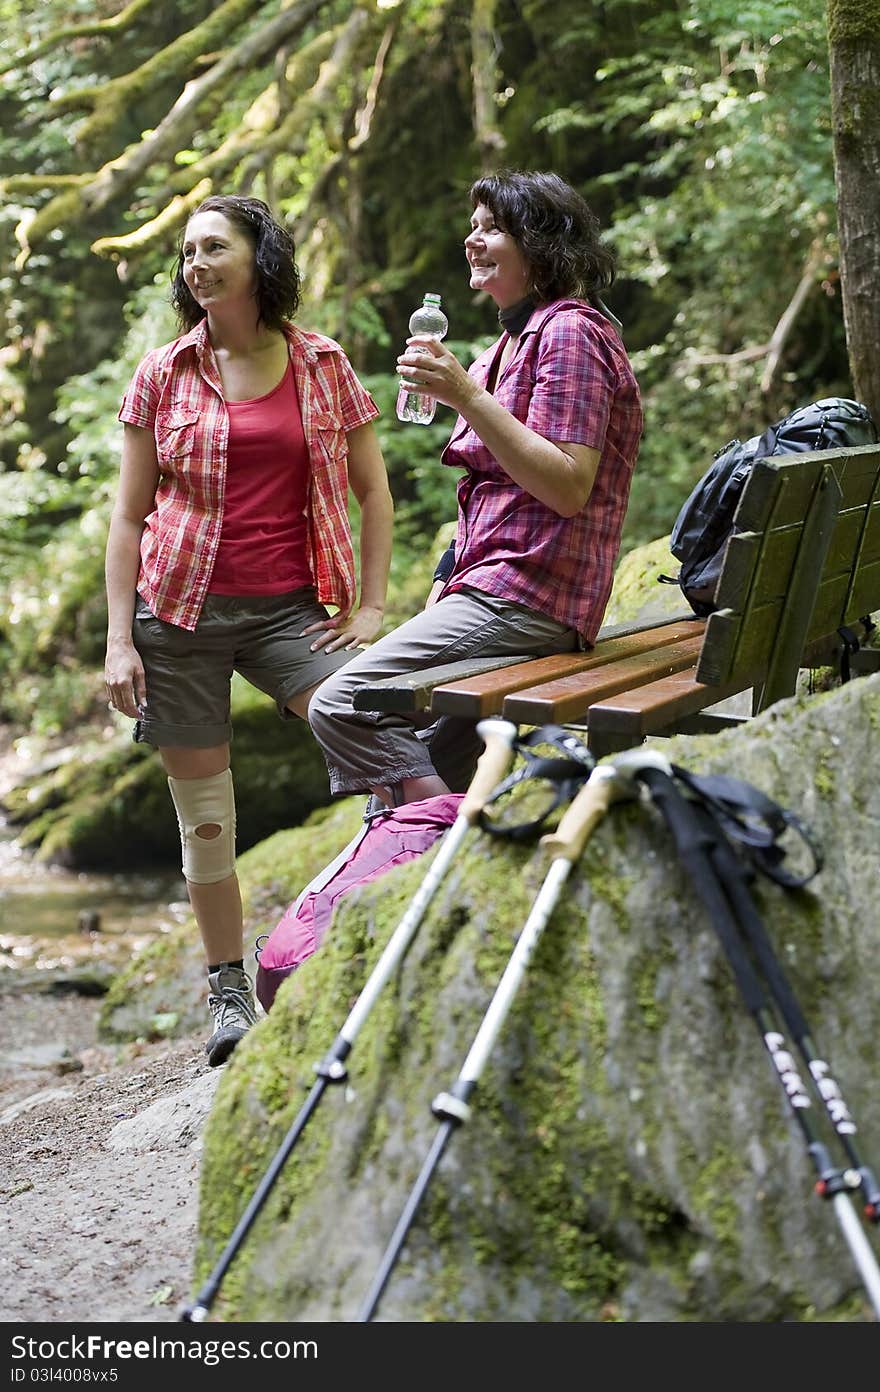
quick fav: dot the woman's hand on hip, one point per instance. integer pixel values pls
(124, 678)
(428, 367)
(345, 632)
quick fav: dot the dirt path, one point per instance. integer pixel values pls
(99, 1148)
(99, 1159)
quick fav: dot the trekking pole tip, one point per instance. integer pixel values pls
(194, 1314)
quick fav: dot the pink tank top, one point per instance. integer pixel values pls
(263, 537)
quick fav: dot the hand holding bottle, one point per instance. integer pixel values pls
(428, 368)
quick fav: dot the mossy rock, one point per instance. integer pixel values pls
(630, 1155)
(637, 594)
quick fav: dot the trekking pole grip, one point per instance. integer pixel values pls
(583, 816)
(495, 760)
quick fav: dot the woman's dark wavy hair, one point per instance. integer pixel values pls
(556, 231)
(278, 280)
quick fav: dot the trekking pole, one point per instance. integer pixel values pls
(498, 737)
(705, 853)
(859, 1175)
(452, 1108)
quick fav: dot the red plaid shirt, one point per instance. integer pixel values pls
(570, 381)
(176, 392)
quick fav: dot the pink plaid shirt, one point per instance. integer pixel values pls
(570, 381)
(176, 392)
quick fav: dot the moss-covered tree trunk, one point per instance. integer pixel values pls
(854, 35)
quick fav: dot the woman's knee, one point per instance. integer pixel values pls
(200, 783)
(300, 702)
(181, 762)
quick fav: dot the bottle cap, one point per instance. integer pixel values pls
(431, 299)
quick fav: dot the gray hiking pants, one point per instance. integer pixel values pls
(370, 748)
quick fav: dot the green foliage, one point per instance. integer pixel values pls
(734, 198)
(52, 613)
(89, 402)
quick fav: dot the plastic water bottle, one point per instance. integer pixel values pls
(412, 405)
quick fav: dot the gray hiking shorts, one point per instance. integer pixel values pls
(188, 674)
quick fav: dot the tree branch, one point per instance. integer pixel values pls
(816, 258)
(98, 28)
(262, 116)
(316, 204)
(171, 216)
(37, 183)
(290, 136)
(120, 174)
(757, 350)
(772, 350)
(364, 118)
(109, 100)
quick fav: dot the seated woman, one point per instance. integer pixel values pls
(548, 429)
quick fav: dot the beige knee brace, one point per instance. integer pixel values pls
(202, 805)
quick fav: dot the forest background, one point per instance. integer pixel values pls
(701, 133)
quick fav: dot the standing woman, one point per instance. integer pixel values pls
(228, 537)
(548, 429)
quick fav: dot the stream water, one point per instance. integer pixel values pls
(56, 918)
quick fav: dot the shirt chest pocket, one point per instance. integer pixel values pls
(330, 436)
(175, 432)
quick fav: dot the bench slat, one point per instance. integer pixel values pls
(476, 697)
(796, 476)
(778, 492)
(857, 477)
(411, 691)
(571, 697)
(865, 597)
(772, 562)
(657, 705)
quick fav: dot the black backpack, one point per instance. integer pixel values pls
(705, 522)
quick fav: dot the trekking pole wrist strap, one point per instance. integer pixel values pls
(754, 822)
(564, 774)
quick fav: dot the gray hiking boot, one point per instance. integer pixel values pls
(231, 1002)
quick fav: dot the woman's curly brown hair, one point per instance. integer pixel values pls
(555, 229)
(278, 280)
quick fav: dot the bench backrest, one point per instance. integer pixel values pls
(804, 559)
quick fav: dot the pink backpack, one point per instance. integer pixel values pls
(387, 838)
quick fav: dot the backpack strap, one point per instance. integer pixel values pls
(850, 646)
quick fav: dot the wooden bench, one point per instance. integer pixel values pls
(803, 562)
